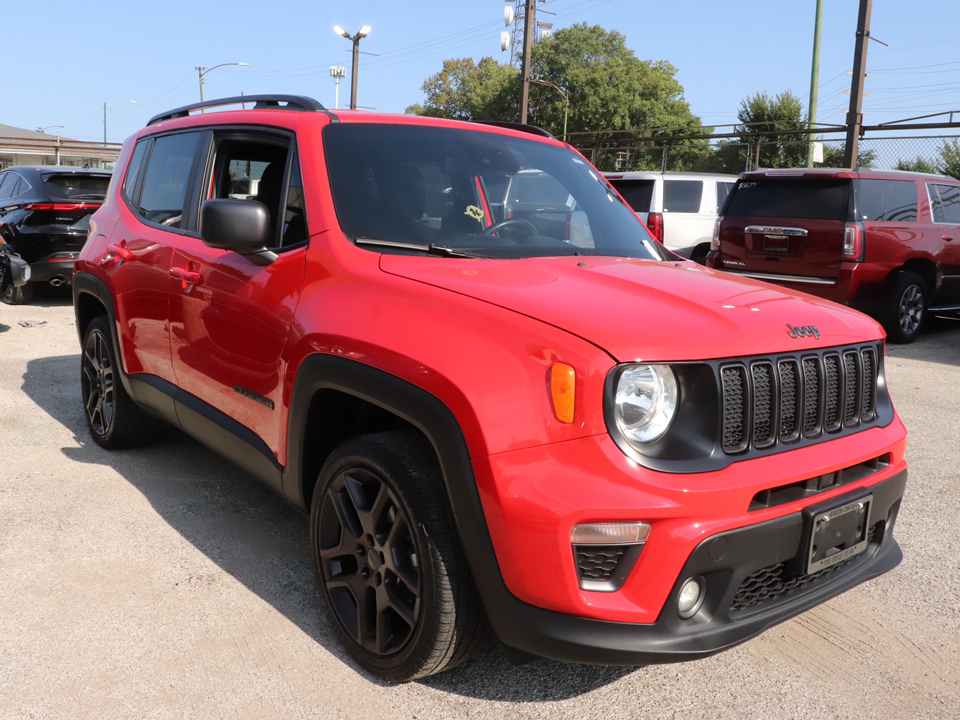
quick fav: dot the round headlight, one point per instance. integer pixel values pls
(646, 401)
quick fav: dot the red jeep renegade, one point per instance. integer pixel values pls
(522, 413)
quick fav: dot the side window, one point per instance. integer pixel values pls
(682, 195)
(134, 168)
(637, 193)
(887, 200)
(248, 168)
(167, 179)
(945, 200)
(8, 183)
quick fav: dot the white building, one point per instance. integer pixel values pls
(32, 147)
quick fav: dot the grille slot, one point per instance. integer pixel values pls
(767, 402)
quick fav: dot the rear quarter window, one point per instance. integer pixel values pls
(682, 196)
(887, 200)
(791, 198)
(637, 193)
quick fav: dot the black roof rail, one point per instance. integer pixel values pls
(300, 103)
(521, 127)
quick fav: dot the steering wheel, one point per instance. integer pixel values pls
(528, 226)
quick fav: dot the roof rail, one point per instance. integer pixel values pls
(521, 127)
(300, 103)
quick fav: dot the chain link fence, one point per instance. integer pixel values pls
(725, 155)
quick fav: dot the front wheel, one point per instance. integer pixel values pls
(907, 309)
(114, 420)
(390, 569)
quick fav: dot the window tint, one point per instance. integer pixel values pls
(826, 199)
(76, 186)
(682, 195)
(946, 203)
(723, 192)
(168, 176)
(887, 200)
(637, 193)
(134, 168)
(8, 183)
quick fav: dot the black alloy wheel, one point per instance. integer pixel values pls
(113, 419)
(390, 570)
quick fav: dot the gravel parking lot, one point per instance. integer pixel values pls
(164, 583)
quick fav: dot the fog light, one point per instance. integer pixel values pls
(691, 597)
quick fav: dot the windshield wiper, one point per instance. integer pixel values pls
(431, 249)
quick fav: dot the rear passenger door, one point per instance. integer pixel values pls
(230, 317)
(945, 206)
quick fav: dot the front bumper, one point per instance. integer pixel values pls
(749, 588)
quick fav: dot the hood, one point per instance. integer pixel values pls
(643, 310)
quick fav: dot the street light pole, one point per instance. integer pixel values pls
(362, 33)
(203, 71)
(105, 106)
(56, 151)
(566, 102)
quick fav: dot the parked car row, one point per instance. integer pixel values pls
(884, 242)
(499, 399)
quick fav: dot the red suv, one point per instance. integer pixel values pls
(611, 455)
(884, 242)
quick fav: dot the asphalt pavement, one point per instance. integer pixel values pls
(162, 582)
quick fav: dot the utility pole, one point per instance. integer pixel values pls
(528, 25)
(855, 114)
(814, 82)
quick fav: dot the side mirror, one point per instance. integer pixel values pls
(239, 225)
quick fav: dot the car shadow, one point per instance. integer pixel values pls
(261, 541)
(939, 342)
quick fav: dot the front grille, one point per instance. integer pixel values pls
(774, 582)
(780, 400)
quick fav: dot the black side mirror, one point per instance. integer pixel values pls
(239, 225)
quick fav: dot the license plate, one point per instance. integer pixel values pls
(838, 534)
(776, 243)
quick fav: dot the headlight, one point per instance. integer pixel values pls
(645, 402)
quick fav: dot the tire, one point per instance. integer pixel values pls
(18, 295)
(907, 310)
(391, 573)
(113, 419)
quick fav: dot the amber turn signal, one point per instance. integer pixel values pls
(563, 387)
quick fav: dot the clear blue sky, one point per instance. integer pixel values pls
(63, 61)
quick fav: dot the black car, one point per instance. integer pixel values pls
(44, 213)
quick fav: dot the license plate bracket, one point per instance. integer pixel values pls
(837, 534)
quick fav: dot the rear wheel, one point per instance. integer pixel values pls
(114, 420)
(907, 308)
(390, 569)
(18, 295)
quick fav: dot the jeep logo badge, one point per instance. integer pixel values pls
(803, 331)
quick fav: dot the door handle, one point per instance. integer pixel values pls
(119, 251)
(187, 277)
(948, 238)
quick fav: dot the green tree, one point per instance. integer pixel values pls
(612, 96)
(949, 163)
(920, 164)
(464, 90)
(764, 120)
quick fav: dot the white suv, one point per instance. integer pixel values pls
(679, 208)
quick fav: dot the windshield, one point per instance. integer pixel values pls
(481, 193)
